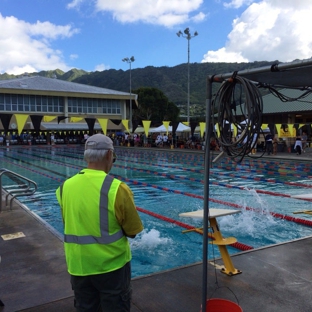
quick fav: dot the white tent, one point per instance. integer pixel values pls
(139, 129)
(161, 128)
(181, 128)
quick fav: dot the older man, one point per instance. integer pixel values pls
(99, 214)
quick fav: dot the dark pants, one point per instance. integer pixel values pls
(110, 291)
(269, 147)
(298, 149)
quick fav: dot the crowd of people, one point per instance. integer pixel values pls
(162, 140)
(270, 143)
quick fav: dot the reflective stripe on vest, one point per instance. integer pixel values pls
(105, 238)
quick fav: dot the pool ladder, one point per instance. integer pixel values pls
(22, 186)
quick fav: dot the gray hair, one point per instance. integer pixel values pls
(93, 155)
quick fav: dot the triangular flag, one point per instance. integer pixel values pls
(125, 122)
(21, 120)
(301, 125)
(146, 126)
(235, 130)
(292, 129)
(166, 125)
(75, 119)
(202, 127)
(264, 126)
(103, 124)
(278, 128)
(48, 118)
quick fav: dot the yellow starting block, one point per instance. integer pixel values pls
(303, 211)
(221, 242)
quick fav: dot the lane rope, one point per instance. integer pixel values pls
(135, 182)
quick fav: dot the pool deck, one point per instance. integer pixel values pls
(33, 275)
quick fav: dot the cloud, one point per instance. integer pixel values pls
(101, 67)
(157, 12)
(266, 31)
(199, 17)
(26, 47)
(73, 56)
(237, 3)
(74, 4)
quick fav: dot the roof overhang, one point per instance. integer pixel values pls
(297, 74)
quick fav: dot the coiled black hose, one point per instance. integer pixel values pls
(237, 98)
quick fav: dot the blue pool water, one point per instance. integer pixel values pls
(167, 183)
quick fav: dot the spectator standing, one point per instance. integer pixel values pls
(165, 139)
(298, 145)
(304, 139)
(159, 140)
(275, 145)
(126, 139)
(99, 214)
(52, 138)
(85, 137)
(269, 143)
(144, 137)
(254, 144)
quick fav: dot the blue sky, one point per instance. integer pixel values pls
(97, 34)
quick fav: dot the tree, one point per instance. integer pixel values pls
(154, 106)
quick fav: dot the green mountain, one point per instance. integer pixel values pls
(172, 81)
(57, 73)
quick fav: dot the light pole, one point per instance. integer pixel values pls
(129, 61)
(188, 36)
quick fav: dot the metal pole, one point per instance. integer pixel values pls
(131, 126)
(188, 78)
(129, 61)
(188, 36)
(206, 193)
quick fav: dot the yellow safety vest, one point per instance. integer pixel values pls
(94, 241)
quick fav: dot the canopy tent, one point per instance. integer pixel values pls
(287, 75)
(139, 129)
(181, 128)
(161, 128)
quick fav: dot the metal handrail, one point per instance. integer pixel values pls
(22, 187)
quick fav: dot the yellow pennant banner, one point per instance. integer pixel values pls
(21, 120)
(125, 123)
(202, 127)
(48, 118)
(235, 131)
(146, 126)
(103, 123)
(285, 130)
(264, 126)
(166, 125)
(76, 119)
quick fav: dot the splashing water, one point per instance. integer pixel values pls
(149, 239)
(150, 252)
(258, 224)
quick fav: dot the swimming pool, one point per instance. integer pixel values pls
(166, 183)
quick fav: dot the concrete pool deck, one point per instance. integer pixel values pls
(33, 275)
